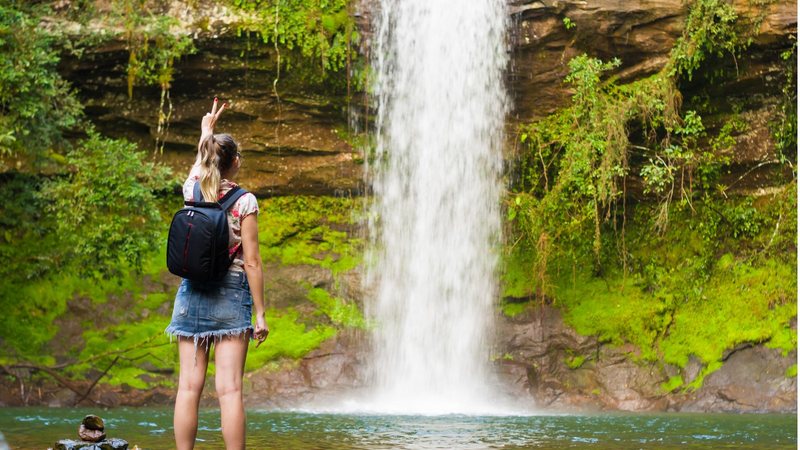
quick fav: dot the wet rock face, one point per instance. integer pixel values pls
(294, 142)
(542, 348)
(752, 379)
(641, 34)
(338, 365)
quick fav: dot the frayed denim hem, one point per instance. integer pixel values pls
(206, 337)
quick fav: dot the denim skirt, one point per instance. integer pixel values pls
(211, 310)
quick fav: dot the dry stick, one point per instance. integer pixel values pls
(52, 370)
(774, 233)
(94, 383)
(59, 379)
(764, 163)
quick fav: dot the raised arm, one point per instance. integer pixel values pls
(207, 125)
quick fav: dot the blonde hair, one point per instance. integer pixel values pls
(217, 153)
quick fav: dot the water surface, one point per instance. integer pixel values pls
(151, 428)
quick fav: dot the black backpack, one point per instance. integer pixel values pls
(197, 245)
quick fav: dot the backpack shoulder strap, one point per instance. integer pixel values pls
(197, 194)
(230, 198)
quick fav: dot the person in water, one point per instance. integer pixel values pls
(219, 313)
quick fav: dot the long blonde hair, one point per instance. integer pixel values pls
(217, 153)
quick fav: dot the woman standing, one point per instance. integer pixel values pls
(219, 312)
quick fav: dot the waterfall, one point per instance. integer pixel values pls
(434, 217)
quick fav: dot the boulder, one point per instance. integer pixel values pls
(560, 369)
(108, 444)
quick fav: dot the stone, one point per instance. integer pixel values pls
(108, 444)
(92, 422)
(90, 435)
(753, 379)
(91, 429)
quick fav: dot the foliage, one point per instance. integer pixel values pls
(575, 362)
(710, 30)
(341, 312)
(309, 230)
(576, 238)
(321, 30)
(31, 306)
(153, 45)
(105, 207)
(134, 352)
(288, 338)
(683, 299)
(784, 129)
(36, 104)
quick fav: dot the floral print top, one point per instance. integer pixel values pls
(244, 206)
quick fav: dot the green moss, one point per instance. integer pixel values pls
(340, 311)
(672, 384)
(309, 230)
(29, 310)
(143, 349)
(575, 362)
(288, 338)
(513, 309)
(745, 303)
(791, 371)
(674, 311)
(516, 276)
(613, 312)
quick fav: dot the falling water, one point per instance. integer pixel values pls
(435, 216)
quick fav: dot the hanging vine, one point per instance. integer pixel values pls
(153, 46)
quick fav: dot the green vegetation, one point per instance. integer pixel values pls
(310, 230)
(288, 338)
(36, 104)
(317, 30)
(620, 213)
(672, 384)
(575, 362)
(340, 311)
(694, 269)
(91, 205)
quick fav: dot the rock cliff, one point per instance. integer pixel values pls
(561, 369)
(296, 140)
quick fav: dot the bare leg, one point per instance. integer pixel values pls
(229, 357)
(190, 386)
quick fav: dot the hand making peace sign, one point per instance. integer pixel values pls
(210, 119)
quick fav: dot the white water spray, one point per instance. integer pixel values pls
(435, 218)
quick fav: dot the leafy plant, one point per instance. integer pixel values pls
(319, 30)
(105, 206)
(36, 104)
